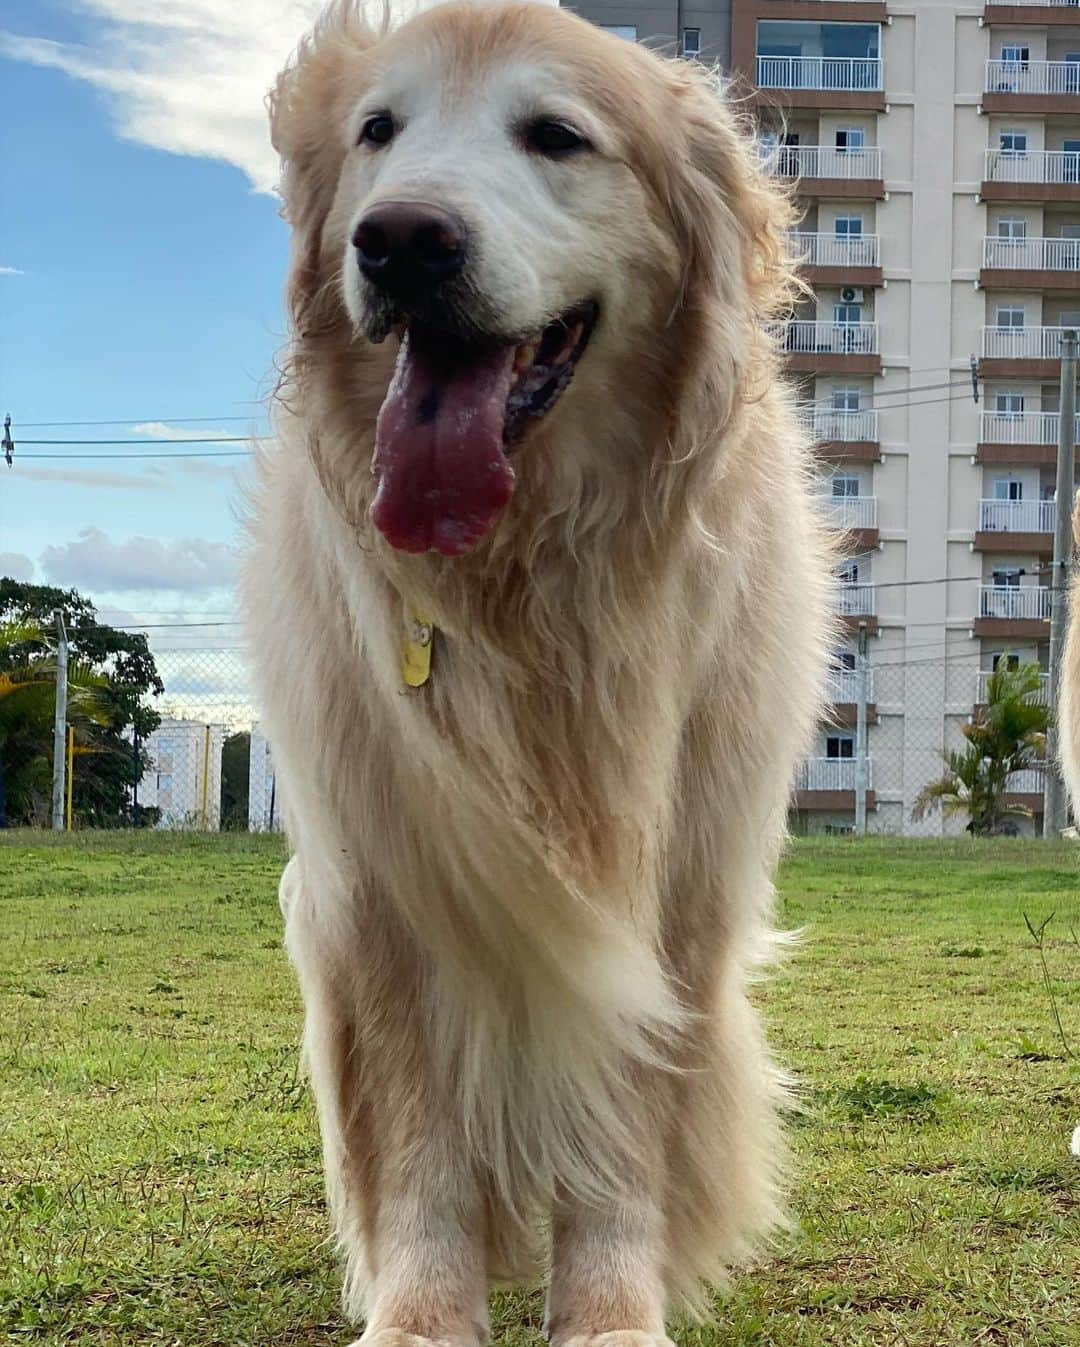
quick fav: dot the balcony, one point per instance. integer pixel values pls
(1022, 353)
(1031, 264)
(1016, 526)
(983, 677)
(837, 259)
(842, 435)
(839, 83)
(826, 170)
(1027, 788)
(843, 693)
(1014, 612)
(856, 516)
(829, 348)
(1019, 437)
(855, 605)
(1033, 175)
(1032, 86)
(829, 783)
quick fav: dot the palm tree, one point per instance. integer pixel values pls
(1007, 735)
(28, 705)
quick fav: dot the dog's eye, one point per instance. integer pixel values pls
(555, 139)
(378, 129)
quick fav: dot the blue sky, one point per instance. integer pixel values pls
(137, 283)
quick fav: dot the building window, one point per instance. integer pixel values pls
(627, 31)
(1006, 577)
(1003, 661)
(164, 780)
(1013, 143)
(840, 746)
(846, 399)
(844, 484)
(1009, 404)
(1008, 488)
(844, 659)
(845, 314)
(691, 41)
(850, 139)
(1016, 55)
(848, 572)
(848, 226)
(1010, 316)
(1011, 228)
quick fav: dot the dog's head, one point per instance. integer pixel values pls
(530, 214)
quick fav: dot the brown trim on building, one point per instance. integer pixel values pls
(1027, 16)
(841, 189)
(1019, 279)
(869, 276)
(845, 714)
(824, 100)
(1019, 369)
(1031, 191)
(858, 540)
(827, 362)
(998, 540)
(848, 451)
(1050, 105)
(816, 11)
(835, 801)
(1033, 802)
(1020, 454)
(1013, 628)
(851, 624)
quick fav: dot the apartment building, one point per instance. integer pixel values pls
(700, 28)
(935, 150)
(182, 774)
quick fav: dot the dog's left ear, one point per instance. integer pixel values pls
(720, 192)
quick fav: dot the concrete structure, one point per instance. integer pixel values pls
(183, 776)
(264, 798)
(699, 28)
(935, 148)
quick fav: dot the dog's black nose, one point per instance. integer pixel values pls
(409, 245)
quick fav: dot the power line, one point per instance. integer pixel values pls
(156, 439)
(132, 421)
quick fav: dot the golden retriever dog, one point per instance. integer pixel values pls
(540, 606)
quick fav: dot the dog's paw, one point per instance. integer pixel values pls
(398, 1337)
(617, 1337)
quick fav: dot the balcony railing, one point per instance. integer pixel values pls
(1022, 343)
(1033, 77)
(855, 600)
(857, 73)
(831, 774)
(824, 161)
(1032, 254)
(1017, 516)
(1021, 427)
(1048, 166)
(984, 676)
(835, 250)
(812, 338)
(1042, 4)
(843, 685)
(1012, 603)
(851, 512)
(828, 423)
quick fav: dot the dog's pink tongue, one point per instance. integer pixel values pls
(443, 476)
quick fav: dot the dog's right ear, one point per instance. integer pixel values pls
(309, 107)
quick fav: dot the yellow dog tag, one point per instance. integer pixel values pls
(417, 637)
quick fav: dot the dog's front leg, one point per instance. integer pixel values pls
(607, 1275)
(428, 1275)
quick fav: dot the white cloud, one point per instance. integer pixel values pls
(16, 566)
(161, 430)
(11, 271)
(94, 561)
(75, 477)
(189, 76)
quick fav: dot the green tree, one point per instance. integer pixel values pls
(1007, 735)
(235, 771)
(120, 669)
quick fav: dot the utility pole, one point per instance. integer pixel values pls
(862, 763)
(1054, 805)
(60, 723)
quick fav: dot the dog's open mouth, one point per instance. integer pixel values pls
(453, 411)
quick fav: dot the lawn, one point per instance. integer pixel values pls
(159, 1165)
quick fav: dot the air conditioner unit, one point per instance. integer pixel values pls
(851, 294)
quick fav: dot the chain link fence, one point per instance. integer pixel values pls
(208, 766)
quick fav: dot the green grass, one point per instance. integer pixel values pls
(159, 1164)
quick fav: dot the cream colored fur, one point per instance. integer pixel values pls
(527, 899)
